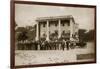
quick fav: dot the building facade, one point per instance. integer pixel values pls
(57, 27)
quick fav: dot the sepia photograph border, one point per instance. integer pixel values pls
(12, 30)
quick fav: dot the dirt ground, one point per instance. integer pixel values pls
(32, 57)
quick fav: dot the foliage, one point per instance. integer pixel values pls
(22, 36)
(54, 36)
(86, 36)
(25, 33)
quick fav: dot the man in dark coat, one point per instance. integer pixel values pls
(36, 45)
(67, 45)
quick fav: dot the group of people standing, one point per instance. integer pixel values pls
(53, 45)
(46, 45)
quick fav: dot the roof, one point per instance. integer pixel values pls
(54, 18)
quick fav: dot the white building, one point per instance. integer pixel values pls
(45, 26)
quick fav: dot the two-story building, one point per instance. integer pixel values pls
(62, 26)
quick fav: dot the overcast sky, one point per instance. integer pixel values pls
(25, 14)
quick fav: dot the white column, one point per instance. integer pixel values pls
(47, 38)
(59, 30)
(37, 31)
(71, 29)
(77, 28)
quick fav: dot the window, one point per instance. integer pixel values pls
(68, 24)
(43, 25)
(56, 24)
(53, 22)
(63, 31)
(63, 24)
